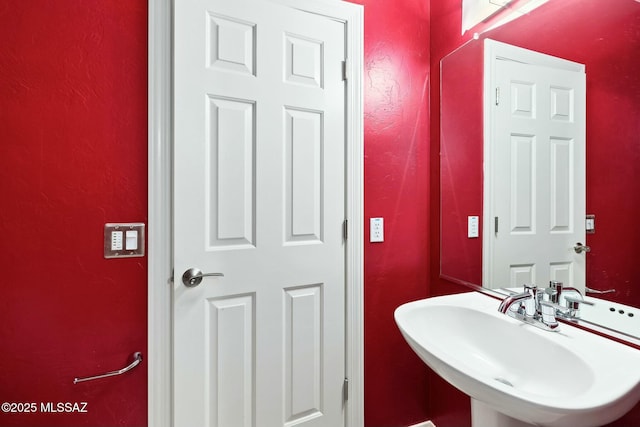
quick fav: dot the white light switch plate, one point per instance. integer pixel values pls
(473, 227)
(590, 224)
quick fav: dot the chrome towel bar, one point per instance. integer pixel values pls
(137, 358)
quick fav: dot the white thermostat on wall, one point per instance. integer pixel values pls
(124, 240)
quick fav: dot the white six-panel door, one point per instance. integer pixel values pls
(259, 196)
(537, 175)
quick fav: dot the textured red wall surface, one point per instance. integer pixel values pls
(73, 144)
(606, 38)
(461, 162)
(73, 157)
(396, 109)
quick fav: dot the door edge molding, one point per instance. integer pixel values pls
(160, 260)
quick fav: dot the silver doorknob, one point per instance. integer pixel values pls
(579, 248)
(193, 276)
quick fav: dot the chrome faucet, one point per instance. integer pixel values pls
(513, 299)
(531, 306)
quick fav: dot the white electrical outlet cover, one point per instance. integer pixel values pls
(376, 230)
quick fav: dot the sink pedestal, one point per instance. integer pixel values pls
(483, 416)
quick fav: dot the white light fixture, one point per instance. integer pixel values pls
(498, 12)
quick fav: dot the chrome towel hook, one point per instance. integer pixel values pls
(137, 358)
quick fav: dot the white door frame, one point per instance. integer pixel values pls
(160, 259)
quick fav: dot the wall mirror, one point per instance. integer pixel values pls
(605, 37)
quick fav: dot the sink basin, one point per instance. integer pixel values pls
(527, 375)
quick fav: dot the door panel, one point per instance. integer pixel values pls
(259, 193)
(230, 372)
(230, 172)
(538, 175)
(303, 168)
(303, 352)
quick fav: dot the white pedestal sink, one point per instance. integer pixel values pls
(516, 374)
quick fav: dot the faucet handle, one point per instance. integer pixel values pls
(556, 284)
(552, 293)
(573, 304)
(572, 298)
(548, 315)
(576, 301)
(531, 304)
(557, 307)
(549, 310)
(572, 289)
(532, 290)
(555, 289)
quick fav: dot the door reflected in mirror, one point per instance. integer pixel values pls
(605, 36)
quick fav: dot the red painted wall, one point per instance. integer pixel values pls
(396, 103)
(73, 157)
(461, 86)
(73, 138)
(74, 152)
(606, 38)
